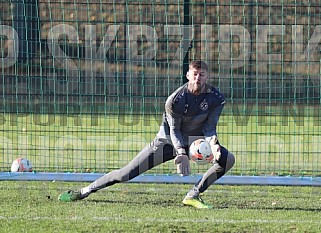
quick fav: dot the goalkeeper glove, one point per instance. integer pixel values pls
(215, 147)
(182, 163)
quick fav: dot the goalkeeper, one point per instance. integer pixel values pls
(191, 112)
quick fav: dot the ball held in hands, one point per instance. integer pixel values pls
(200, 152)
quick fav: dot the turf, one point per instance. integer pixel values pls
(274, 145)
(33, 207)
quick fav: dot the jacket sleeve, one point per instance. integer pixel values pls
(174, 119)
(209, 128)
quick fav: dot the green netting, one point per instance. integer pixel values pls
(83, 83)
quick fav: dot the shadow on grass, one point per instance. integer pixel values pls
(165, 203)
(292, 208)
(174, 203)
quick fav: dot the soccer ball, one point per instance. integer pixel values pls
(21, 165)
(200, 152)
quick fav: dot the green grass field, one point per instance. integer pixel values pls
(263, 145)
(130, 207)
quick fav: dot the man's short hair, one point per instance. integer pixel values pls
(199, 65)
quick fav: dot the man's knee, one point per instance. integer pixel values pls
(227, 159)
(230, 161)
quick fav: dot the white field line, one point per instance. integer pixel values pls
(160, 220)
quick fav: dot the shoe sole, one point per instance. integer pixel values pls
(207, 207)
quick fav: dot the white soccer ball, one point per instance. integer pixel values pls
(200, 152)
(21, 165)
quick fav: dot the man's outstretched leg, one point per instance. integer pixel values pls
(159, 151)
(215, 172)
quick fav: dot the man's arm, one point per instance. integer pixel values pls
(174, 121)
(175, 133)
(210, 133)
(209, 128)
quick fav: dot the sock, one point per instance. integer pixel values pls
(194, 192)
(85, 191)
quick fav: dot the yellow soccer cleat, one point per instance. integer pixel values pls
(196, 202)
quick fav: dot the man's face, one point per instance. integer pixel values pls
(196, 80)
